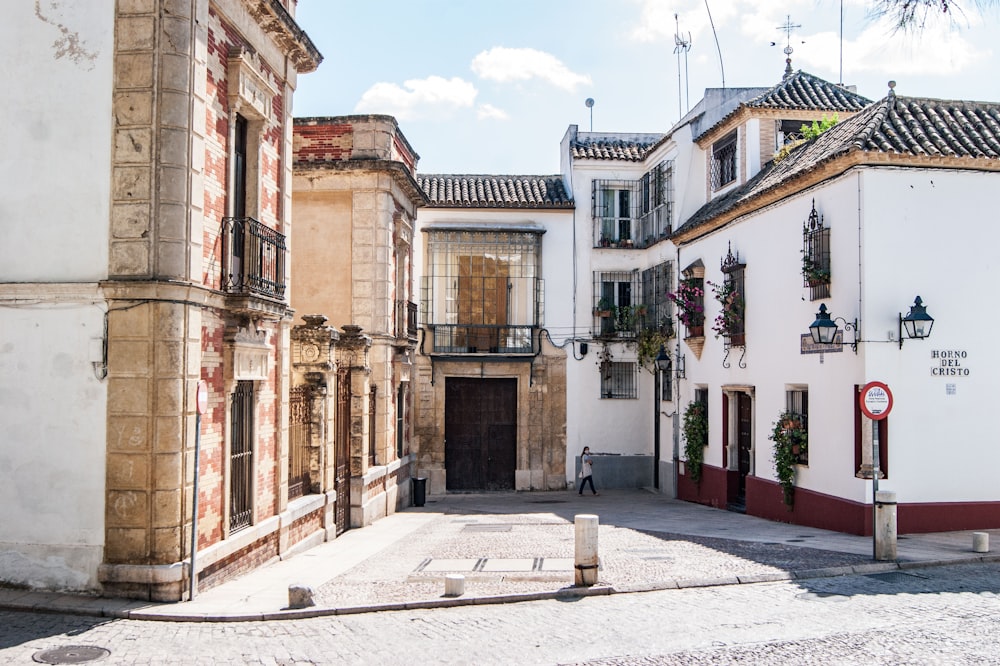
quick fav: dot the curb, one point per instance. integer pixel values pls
(117, 609)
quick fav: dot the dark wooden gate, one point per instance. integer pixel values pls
(342, 448)
(480, 450)
(744, 439)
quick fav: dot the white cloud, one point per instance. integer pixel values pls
(417, 97)
(935, 51)
(490, 112)
(505, 64)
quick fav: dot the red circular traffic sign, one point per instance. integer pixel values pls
(875, 400)
(202, 397)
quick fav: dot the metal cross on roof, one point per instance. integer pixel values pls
(788, 27)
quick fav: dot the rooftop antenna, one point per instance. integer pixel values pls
(788, 27)
(717, 47)
(590, 105)
(682, 45)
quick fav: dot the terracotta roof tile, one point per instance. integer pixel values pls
(804, 92)
(906, 126)
(486, 191)
(633, 149)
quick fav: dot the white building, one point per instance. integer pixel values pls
(886, 206)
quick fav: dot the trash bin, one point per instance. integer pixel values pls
(419, 491)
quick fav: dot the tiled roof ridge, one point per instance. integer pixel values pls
(610, 148)
(495, 190)
(914, 127)
(803, 90)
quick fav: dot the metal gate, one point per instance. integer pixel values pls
(241, 423)
(299, 439)
(342, 448)
(480, 433)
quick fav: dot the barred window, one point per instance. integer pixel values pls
(619, 380)
(724, 161)
(797, 403)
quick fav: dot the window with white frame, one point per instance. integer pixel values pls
(617, 310)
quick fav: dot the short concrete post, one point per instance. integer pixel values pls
(300, 596)
(885, 525)
(454, 585)
(980, 542)
(586, 560)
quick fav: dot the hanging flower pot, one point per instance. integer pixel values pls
(696, 331)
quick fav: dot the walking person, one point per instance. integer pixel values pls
(587, 470)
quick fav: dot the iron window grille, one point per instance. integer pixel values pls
(633, 213)
(253, 258)
(483, 292)
(372, 423)
(797, 402)
(241, 463)
(667, 382)
(724, 161)
(735, 283)
(619, 380)
(656, 284)
(617, 312)
(816, 256)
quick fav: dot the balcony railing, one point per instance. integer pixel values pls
(482, 339)
(406, 319)
(253, 258)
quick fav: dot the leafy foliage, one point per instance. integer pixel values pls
(791, 441)
(730, 317)
(695, 438)
(689, 299)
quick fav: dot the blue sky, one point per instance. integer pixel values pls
(490, 86)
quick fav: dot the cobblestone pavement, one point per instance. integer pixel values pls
(937, 615)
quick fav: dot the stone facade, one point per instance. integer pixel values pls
(356, 199)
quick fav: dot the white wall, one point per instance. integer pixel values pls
(933, 233)
(55, 165)
(54, 216)
(53, 408)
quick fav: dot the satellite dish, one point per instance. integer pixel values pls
(589, 102)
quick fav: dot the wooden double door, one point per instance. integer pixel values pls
(480, 450)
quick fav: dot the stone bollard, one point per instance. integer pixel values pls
(300, 596)
(454, 585)
(980, 542)
(885, 525)
(586, 560)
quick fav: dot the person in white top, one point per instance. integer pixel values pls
(587, 470)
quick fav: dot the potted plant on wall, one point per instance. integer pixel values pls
(695, 438)
(791, 444)
(814, 272)
(689, 299)
(729, 322)
(603, 309)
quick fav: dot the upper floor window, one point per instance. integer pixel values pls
(633, 213)
(656, 282)
(816, 256)
(482, 292)
(724, 161)
(617, 310)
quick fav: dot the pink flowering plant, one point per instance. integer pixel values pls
(730, 317)
(690, 299)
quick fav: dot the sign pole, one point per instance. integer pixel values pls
(202, 402)
(876, 403)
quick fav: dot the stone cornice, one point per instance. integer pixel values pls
(275, 20)
(399, 172)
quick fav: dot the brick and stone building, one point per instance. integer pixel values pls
(355, 201)
(149, 254)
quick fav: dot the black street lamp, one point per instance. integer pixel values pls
(824, 329)
(917, 323)
(662, 363)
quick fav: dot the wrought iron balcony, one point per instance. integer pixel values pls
(253, 258)
(482, 339)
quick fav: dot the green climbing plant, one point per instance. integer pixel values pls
(791, 444)
(695, 438)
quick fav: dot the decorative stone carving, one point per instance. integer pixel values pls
(311, 345)
(250, 91)
(247, 351)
